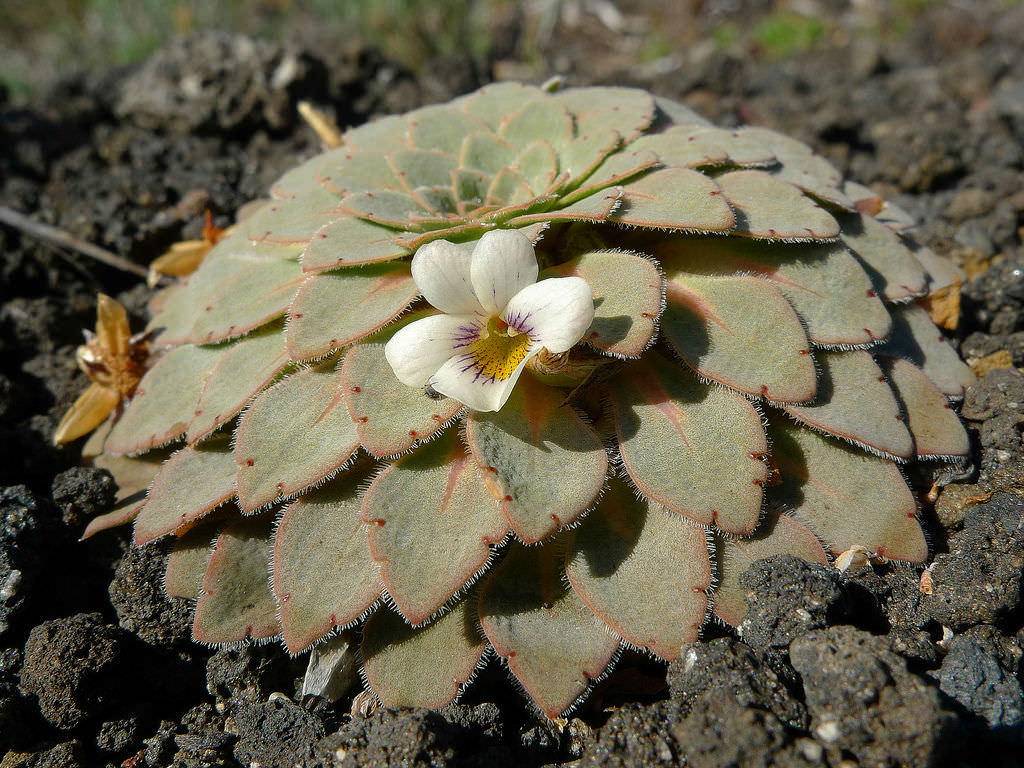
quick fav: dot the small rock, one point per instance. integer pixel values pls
(81, 493)
(972, 673)
(864, 702)
(117, 736)
(65, 755)
(247, 674)
(788, 597)
(979, 581)
(143, 607)
(71, 667)
(275, 733)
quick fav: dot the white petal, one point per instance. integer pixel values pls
(503, 264)
(416, 351)
(460, 379)
(555, 312)
(441, 271)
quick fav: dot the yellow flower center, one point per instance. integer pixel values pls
(497, 354)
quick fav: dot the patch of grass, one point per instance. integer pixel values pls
(785, 33)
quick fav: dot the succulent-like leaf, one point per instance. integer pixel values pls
(539, 459)
(553, 643)
(268, 288)
(387, 208)
(777, 535)
(334, 309)
(487, 153)
(165, 401)
(582, 156)
(539, 165)
(708, 321)
(854, 402)
(825, 284)
(693, 447)
(425, 666)
(349, 241)
(679, 113)
(492, 102)
(624, 110)
(293, 220)
(898, 274)
(188, 561)
(324, 576)
(802, 167)
(915, 338)
(389, 131)
(441, 128)
(235, 602)
(191, 484)
(389, 416)
(823, 480)
(339, 171)
(543, 118)
(628, 297)
(643, 570)
(421, 168)
(427, 558)
(675, 198)
(133, 477)
(616, 169)
(769, 208)
(293, 435)
(696, 146)
(245, 368)
(936, 428)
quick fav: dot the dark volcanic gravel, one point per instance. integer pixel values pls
(860, 669)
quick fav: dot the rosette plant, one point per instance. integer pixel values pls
(533, 374)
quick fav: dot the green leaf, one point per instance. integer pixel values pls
(385, 207)
(643, 570)
(616, 168)
(188, 561)
(293, 220)
(766, 207)
(165, 401)
(268, 288)
(596, 208)
(339, 171)
(335, 309)
(693, 447)
(777, 535)
(505, 185)
(133, 477)
(423, 667)
(553, 643)
(802, 167)
(674, 198)
(679, 113)
(544, 464)
(384, 133)
(235, 602)
(191, 484)
(916, 338)
(538, 164)
(324, 576)
(441, 128)
(854, 402)
(293, 435)
(349, 241)
(628, 111)
(937, 431)
(823, 480)
(420, 168)
(390, 417)
(695, 146)
(543, 119)
(486, 152)
(246, 367)
(741, 332)
(492, 102)
(897, 273)
(825, 284)
(433, 523)
(628, 297)
(584, 154)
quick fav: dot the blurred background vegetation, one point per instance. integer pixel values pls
(43, 39)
